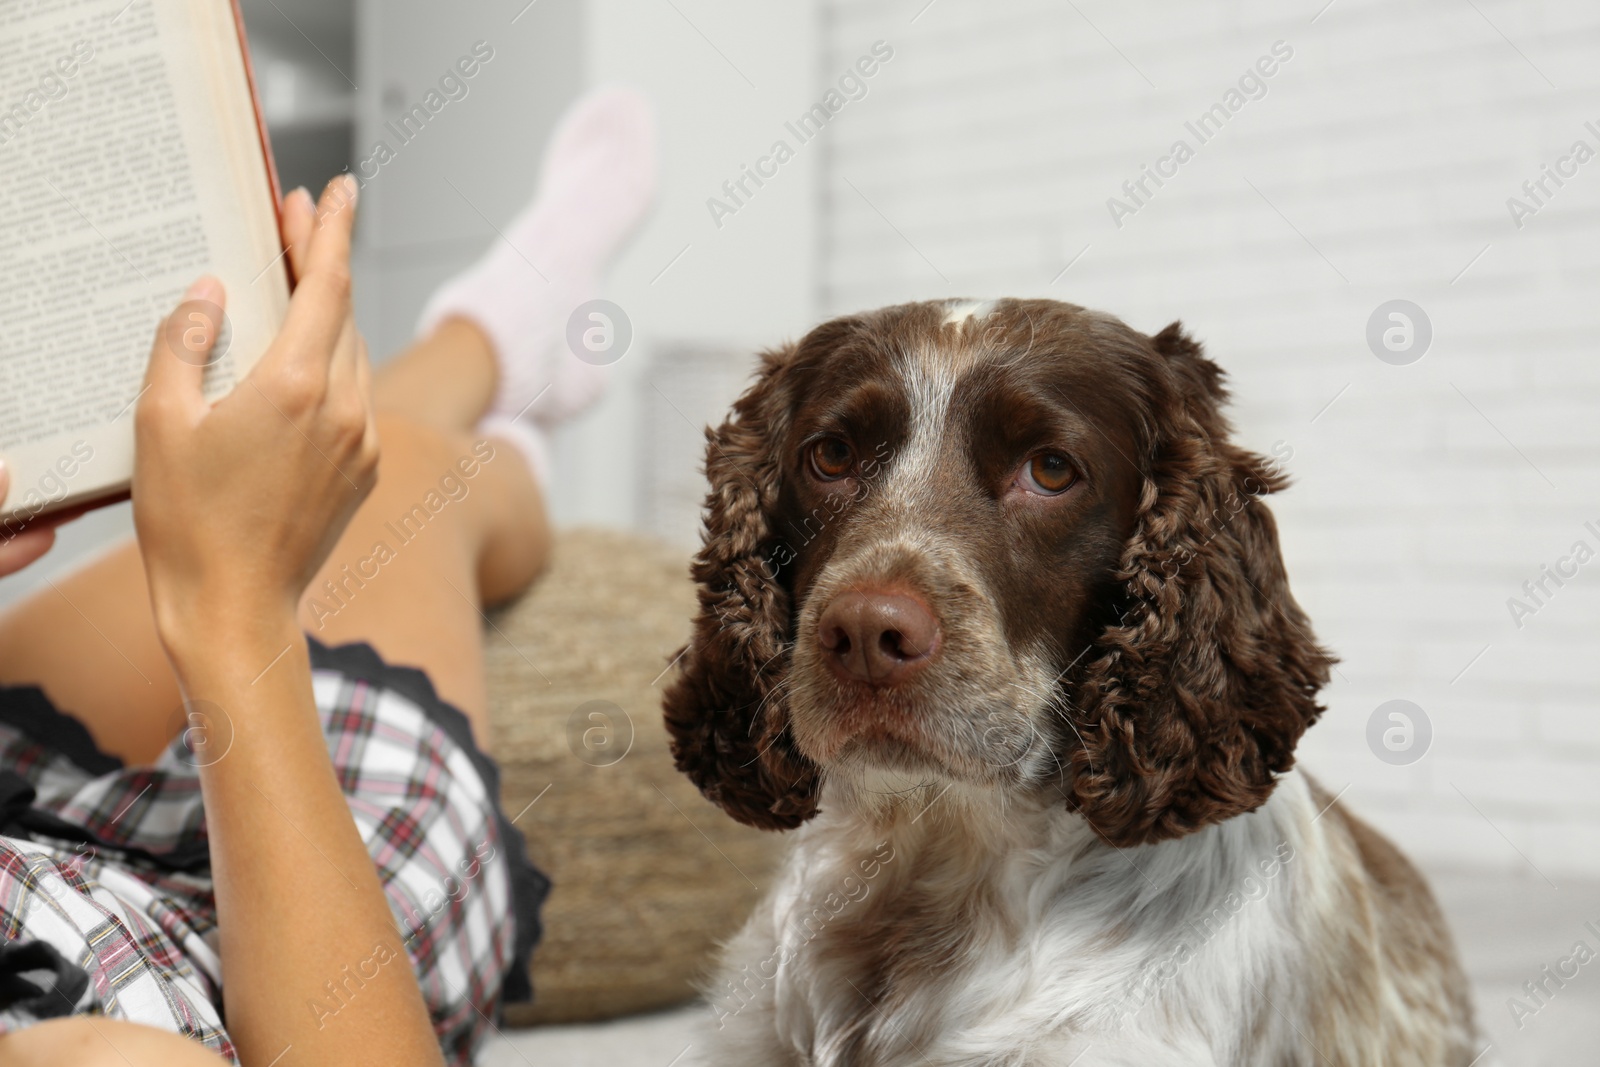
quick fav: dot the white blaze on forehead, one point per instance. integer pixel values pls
(929, 374)
(959, 311)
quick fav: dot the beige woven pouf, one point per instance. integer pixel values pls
(648, 876)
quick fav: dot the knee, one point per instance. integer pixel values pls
(425, 470)
(421, 462)
(407, 443)
(99, 1042)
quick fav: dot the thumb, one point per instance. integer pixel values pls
(17, 550)
(186, 344)
(20, 543)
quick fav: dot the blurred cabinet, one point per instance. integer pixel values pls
(304, 57)
(341, 77)
(440, 109)
(454, 104)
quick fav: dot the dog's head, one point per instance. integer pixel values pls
(1007, 545)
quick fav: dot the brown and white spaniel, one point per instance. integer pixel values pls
(993, 616)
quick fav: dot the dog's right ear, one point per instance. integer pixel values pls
(726, 711)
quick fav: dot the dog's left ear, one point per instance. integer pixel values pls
(1194, 699)
(725, 711)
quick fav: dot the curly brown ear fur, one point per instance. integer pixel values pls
(1196, 697)
(724, 712)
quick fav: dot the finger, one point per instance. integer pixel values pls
(183, 347)
(349, 381)
(358, 379)
(363, 371)
(342, 369)
(322, 300)
(16, 552)
(335, 224)
(299, 223)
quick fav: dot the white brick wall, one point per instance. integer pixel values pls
(1381, 158)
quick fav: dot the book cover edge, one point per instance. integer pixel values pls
(12, 521)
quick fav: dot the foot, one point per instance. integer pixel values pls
(597, 181)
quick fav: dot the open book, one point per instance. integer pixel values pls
(132, 161)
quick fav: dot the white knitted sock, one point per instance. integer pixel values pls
(596, 183)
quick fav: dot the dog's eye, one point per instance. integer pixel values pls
(1049, 473)
(832, 458)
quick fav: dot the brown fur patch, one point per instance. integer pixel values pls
(1397, 995)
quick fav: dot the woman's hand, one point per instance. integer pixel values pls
(22, 543)
(238, 503)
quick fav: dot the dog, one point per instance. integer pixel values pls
(992, 615)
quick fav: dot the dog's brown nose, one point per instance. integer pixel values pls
(878, 638)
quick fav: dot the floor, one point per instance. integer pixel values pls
(1508, 928)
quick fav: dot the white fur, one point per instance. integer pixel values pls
(1074, 953)
(960, 311)
(930, 383)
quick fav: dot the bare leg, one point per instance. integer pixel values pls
(90, 643)
(445, 380)
(90, 1041)
(412, 582)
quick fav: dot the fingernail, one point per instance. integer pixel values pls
(205, 287)
(352, 187)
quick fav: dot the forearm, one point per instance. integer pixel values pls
(311, 956)
(237, 503)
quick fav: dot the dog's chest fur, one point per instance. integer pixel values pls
(974, 936)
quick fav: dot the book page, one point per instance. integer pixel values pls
(130, 164)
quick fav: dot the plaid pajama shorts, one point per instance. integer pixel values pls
(106, 901)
